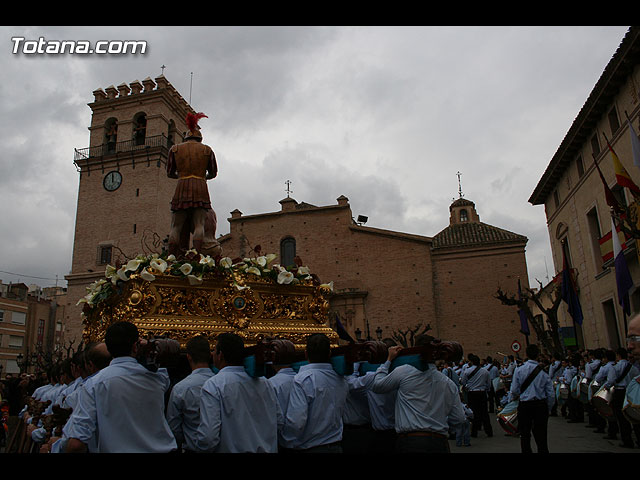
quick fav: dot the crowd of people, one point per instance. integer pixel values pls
(105, 399)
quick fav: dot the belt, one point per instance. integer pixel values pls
(421, 433)
(192, 176)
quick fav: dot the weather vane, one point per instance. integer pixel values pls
(459, 184)
(288, 184)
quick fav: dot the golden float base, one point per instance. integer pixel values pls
(171, 307)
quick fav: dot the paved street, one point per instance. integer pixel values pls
(563, 438)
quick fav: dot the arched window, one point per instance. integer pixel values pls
(463, 215)
(139, 128)
(287, 251)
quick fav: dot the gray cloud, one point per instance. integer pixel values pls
(383, 115)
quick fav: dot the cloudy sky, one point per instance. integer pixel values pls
(383, 115)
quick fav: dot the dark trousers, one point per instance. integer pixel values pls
(492, 400)
(421, 443)
(533, 417)
(382, 441)
(479, 405)
(356, 438)
(576, 409)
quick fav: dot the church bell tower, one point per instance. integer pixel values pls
(124, 193)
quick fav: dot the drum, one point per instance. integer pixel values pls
(594, 386)
(583, 387)
(574, 388)
(508, 418)
(563, 391)
(602, 401)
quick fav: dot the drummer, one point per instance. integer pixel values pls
(535, 402)
(591, 369)
(601, 378)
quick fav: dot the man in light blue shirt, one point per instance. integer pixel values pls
(378, 411)
(183, 408)
(238, 413)
(123, 405)
(314, 417)
(477, 383)
(535, 401)
(619, 377)
(282, 381)
(427, 403)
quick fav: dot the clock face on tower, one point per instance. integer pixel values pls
(112, 181)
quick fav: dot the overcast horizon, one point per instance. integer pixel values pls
(385, 116)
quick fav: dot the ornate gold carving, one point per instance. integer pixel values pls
(172, 307)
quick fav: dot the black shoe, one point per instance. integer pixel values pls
(626, 445)
(610, 437)
(599, 430)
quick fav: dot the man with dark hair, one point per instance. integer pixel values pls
(282, 381)
(427, 404)
(238, 413)
(183, 409)
(476, 380)
(601, 378)
(123, 405)
(533, 388)
(314, 417)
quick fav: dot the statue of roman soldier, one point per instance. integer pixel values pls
(192, 163)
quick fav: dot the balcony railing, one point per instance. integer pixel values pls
(116, 148)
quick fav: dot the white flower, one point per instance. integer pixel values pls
(253, 270)
(277, 267)
(132, 265)
(303, 271)
(147, 275)
(328, 286)
(122, 273)
(261, 261)
(171, 258)
(158, 264)
(186, 268)
(193, 250)
(240, 287)
(210, 262)
(193, 280)
(284, 278)
(110, 271)
(270, 257)
(226, 262)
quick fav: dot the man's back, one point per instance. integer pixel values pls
(316, 405)
(126, 401)
(426, 401)
(238, 414)
(183, 409)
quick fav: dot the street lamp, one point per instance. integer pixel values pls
(358, 333)
(379, 333)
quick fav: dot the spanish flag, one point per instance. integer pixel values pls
(622, 176)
